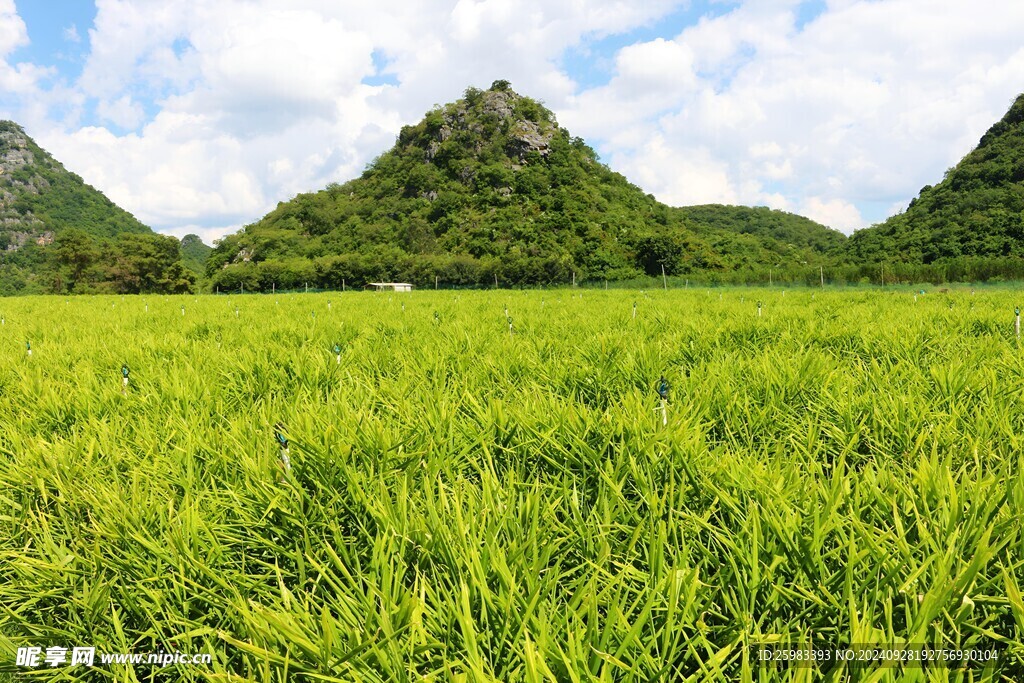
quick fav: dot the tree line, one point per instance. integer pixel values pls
(78, 263)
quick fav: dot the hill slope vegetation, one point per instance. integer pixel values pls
(975, 214)
(491, 189)
(60, 235)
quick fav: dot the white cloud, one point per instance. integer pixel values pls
(70, 34)
(15, 79)
(123, 112)
(680, 177)
(834, 213)
(865, 103)
(13, 33)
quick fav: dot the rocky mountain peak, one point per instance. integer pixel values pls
(39, 197)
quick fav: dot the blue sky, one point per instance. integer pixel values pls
(58, 34)
(201, 115)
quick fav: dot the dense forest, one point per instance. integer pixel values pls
(78, 263)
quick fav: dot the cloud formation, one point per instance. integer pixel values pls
(863, 104)
(202, 115)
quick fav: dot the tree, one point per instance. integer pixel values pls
(150, 263)
(72, 256)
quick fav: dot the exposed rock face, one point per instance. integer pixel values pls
(495, 106)
(500, 103)
(16, 156)
(39, 197)
(14, 150)
(527, 136)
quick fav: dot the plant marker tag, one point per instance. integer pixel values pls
(183, 310)
(282, 442)
(758, 309)
(236, 312)
(663, 394)
(1016, 324)
(328, 304)
(634, 310)
(28, 348)
(124, 378)
(337, 352)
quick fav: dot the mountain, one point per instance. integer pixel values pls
(491, 189)
(60, 235)
(976, 211)
(39, 197)
(761, 234)
(194, 253)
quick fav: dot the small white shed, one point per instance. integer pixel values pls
(393, 286)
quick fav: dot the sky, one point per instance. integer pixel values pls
(200, 116)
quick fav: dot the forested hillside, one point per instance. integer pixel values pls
(491, 189)
(60, 235)
(974, 215)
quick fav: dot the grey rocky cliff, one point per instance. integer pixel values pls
(16, 156)
(524, 136)
(527, 137)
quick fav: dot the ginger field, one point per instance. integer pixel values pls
(474, 495)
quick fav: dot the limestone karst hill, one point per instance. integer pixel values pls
(491, 188)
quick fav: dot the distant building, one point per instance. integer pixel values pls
(393, 286)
